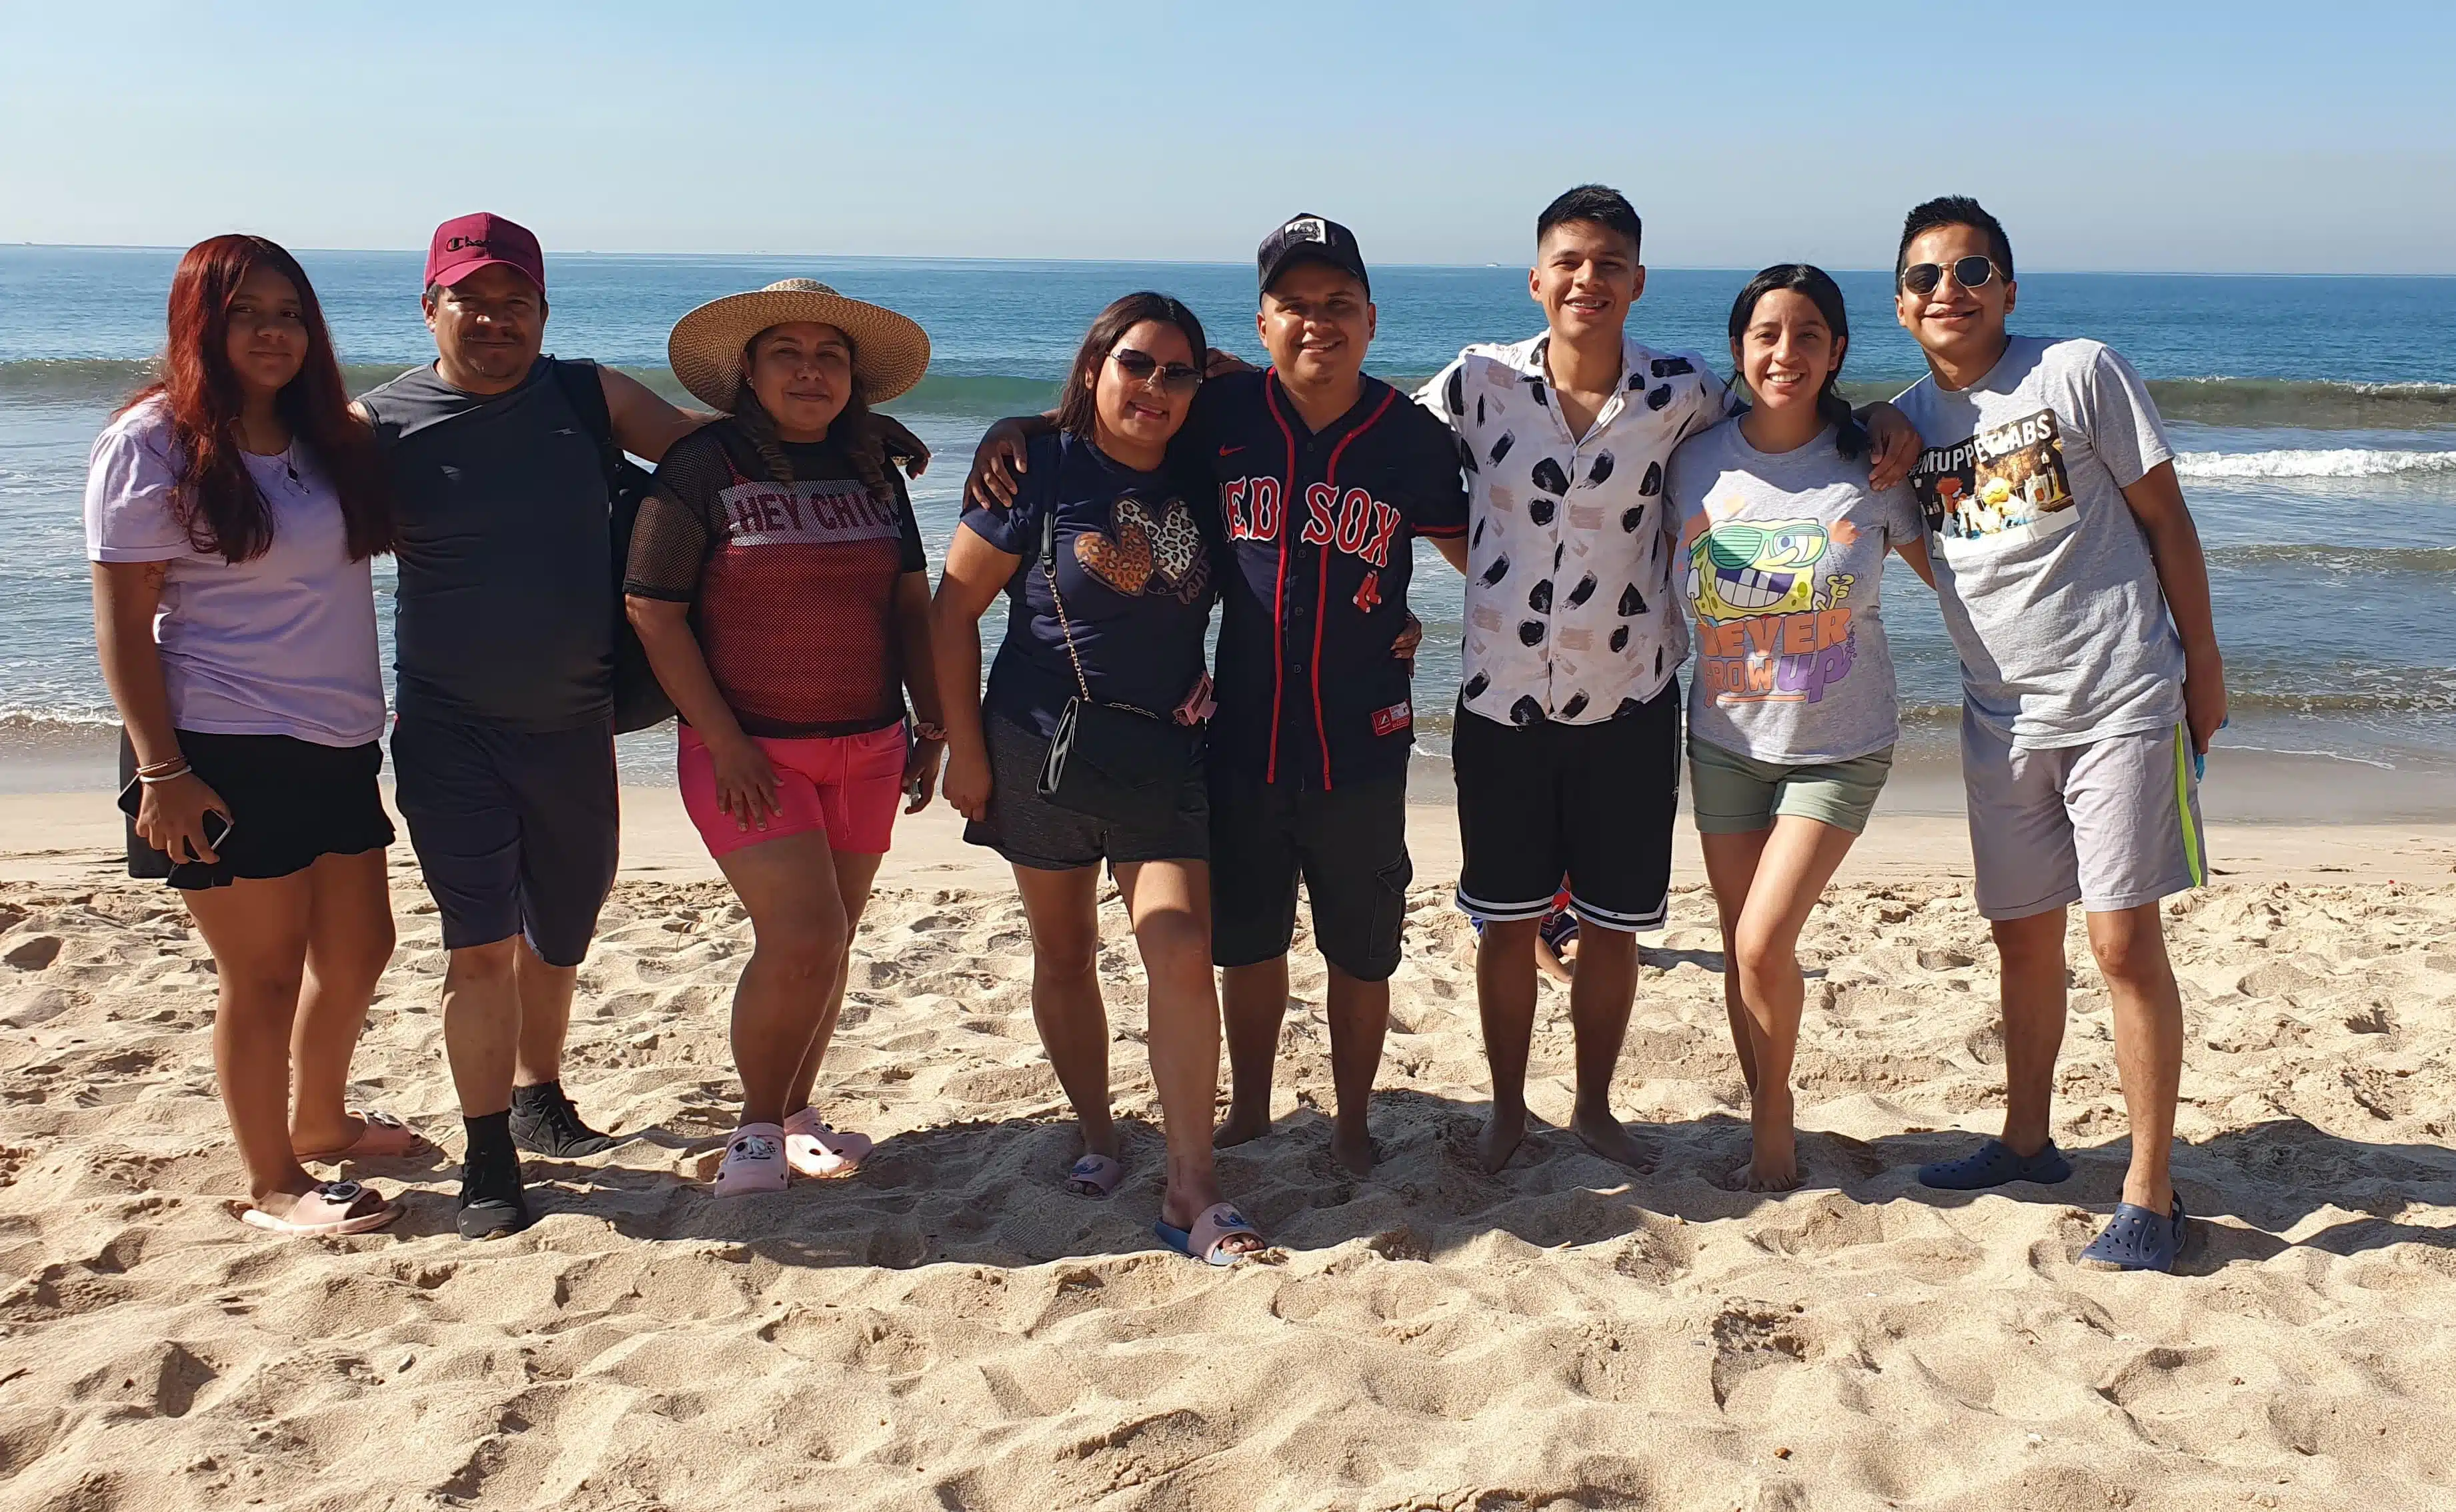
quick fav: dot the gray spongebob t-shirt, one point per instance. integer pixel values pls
(2044, 575)
(1781, 565)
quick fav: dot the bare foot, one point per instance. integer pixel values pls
(1773, 1143)
(1769, 1169)
(1239, 1126)
(1609, 1137)
(1499, 1140)
(1352, 1149)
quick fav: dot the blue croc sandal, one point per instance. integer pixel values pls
(1993, 1165)
(2138, 1239)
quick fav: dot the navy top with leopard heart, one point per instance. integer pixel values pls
(1317, 540)
(1133, 567)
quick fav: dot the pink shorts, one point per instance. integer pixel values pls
(846, 787)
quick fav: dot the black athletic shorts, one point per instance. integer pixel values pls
(1350, 847)
(518, 833)
(1031, 831)
(291, 801)
(1590, 803)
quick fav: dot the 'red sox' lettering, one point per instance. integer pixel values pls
(1352, 522)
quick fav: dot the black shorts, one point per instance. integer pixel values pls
(1350, 847)
(517, 833)
(1592, 803)
(291, 801)
(1031, 831)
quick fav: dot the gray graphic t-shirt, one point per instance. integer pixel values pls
(1781, 566)
(2045, 577)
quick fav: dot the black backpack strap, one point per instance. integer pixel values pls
(584, 389)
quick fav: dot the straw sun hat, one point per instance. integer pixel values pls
(890, 351)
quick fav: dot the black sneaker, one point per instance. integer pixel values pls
(492, 1201)
(545, 1123)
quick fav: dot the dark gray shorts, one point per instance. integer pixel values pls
(517, 833)
(1030, 830)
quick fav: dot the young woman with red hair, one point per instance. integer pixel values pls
(231, 512)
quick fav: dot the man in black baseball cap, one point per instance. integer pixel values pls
(1322, 478)
(1312, 238)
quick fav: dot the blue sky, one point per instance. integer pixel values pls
(2252, 137)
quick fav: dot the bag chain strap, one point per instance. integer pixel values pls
(1066, 631)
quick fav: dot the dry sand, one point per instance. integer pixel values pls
(952, 1331)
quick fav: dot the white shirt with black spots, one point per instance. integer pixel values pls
(1570, 613)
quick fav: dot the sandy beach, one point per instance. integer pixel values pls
(949, 1330)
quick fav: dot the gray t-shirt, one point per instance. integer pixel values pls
(2045, 577)
(505, 611)
(1781, 565)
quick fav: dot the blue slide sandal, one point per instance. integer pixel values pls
(1207, 1239)
(1995, 1165)
(2138, 1239)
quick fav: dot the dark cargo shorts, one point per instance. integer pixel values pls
(517, 833)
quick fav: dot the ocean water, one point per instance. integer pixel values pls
(2315, 417)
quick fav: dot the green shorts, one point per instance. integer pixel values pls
(1736, 795)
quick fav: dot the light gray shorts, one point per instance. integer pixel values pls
(2110, 825)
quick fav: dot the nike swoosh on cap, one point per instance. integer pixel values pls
(1230, 451)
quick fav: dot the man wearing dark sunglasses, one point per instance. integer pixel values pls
(2071, 578)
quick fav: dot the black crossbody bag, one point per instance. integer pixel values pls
(1110, 761)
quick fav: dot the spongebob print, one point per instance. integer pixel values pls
(1769, 627)
(1737, 569)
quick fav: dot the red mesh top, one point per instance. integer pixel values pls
(791, 586)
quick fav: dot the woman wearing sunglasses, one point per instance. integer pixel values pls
(1087, 745)
(1792, 713)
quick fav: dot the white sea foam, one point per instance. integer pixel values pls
(2336, 462)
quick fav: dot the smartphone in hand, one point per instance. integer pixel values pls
(218, 824)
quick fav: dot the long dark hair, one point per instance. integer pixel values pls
(1076, 414)
(216, 500)
(1850, 437)
(852, 429)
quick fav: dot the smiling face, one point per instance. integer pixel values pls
(1738, 570)
(266, 341)
(1788, 352)
(1137, 417)
(488, 328)
(802, 374)
(1316, 322)
(1961, 326)
(1586, 276)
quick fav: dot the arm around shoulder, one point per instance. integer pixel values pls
(644, 425)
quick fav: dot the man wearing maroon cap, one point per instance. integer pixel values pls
(503, 745)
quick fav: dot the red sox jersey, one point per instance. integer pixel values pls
(1318, 533)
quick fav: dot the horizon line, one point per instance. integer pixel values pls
(1200, 262)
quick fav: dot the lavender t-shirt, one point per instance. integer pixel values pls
(282, 645)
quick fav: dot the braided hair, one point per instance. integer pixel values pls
(855, 429)
(1850, 437)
